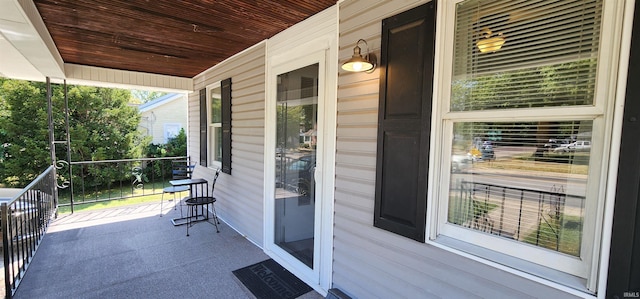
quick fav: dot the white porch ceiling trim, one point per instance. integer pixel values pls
(23, 29)
(27, 52)
(104, 77)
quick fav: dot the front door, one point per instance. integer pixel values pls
(294, 223)
(296, 153)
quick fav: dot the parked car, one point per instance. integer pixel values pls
(562, 149)
(483, 153)
(580, 146)
(488, 153)
(297, 176)
(555, 143)
(576, 146)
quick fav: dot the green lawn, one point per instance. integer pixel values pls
(570, 233)
(461, 211)
(103, 196)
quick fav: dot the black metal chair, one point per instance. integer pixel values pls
(203, 201)
(180, 169)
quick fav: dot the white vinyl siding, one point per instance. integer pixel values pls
(371, 262)
(153, 121)
(239, 195)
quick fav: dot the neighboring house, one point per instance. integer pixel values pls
(309, 137)
(376, 209)
(164, 117)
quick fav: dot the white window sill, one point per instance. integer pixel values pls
(541, 274)
(215, 165)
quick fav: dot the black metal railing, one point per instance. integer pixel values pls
(24, 220)
(98, 181)
(532, 216)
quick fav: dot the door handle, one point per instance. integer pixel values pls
(316, 173)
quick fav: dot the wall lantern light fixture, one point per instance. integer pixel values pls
(357, 63)
(488, 43)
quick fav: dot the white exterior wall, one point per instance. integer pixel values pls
(371, 262)
(240, 194)
(173, 112)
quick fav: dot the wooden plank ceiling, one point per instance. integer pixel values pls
(170, 37)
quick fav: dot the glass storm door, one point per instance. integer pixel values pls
(295, 166)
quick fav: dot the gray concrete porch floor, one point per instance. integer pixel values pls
(132, 252)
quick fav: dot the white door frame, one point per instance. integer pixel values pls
(323, 52)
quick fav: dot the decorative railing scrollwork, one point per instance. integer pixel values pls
(137, 183)
(60, 165)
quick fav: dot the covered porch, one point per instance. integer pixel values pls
(133, 252)
(390, 219)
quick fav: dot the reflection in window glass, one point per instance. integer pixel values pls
(216, 105)
(215, 124)
(522, 181)
(296, 143)
(218, 144)
(542, 53)
(566, 84)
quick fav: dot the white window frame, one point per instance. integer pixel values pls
(601, 112)
(211, 130)
(167, 129)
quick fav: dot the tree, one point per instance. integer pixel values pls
(24, 124)
(102, 126)
(290, 120)
(143, 96)
(177, 146)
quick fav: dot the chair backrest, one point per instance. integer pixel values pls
(215, 178)
(199, 172)
(181, 169)
(204, 172)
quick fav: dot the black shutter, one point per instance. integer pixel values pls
(203, 127)
(226, 125)
(404, 121)
(624, 261)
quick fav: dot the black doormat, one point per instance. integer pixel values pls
(269, 280)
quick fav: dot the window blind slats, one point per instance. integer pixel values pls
(523, 10)
(544, 58)
(545, 42)
(558, 85)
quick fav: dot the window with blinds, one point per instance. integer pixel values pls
(523, 179)
(523, 54)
